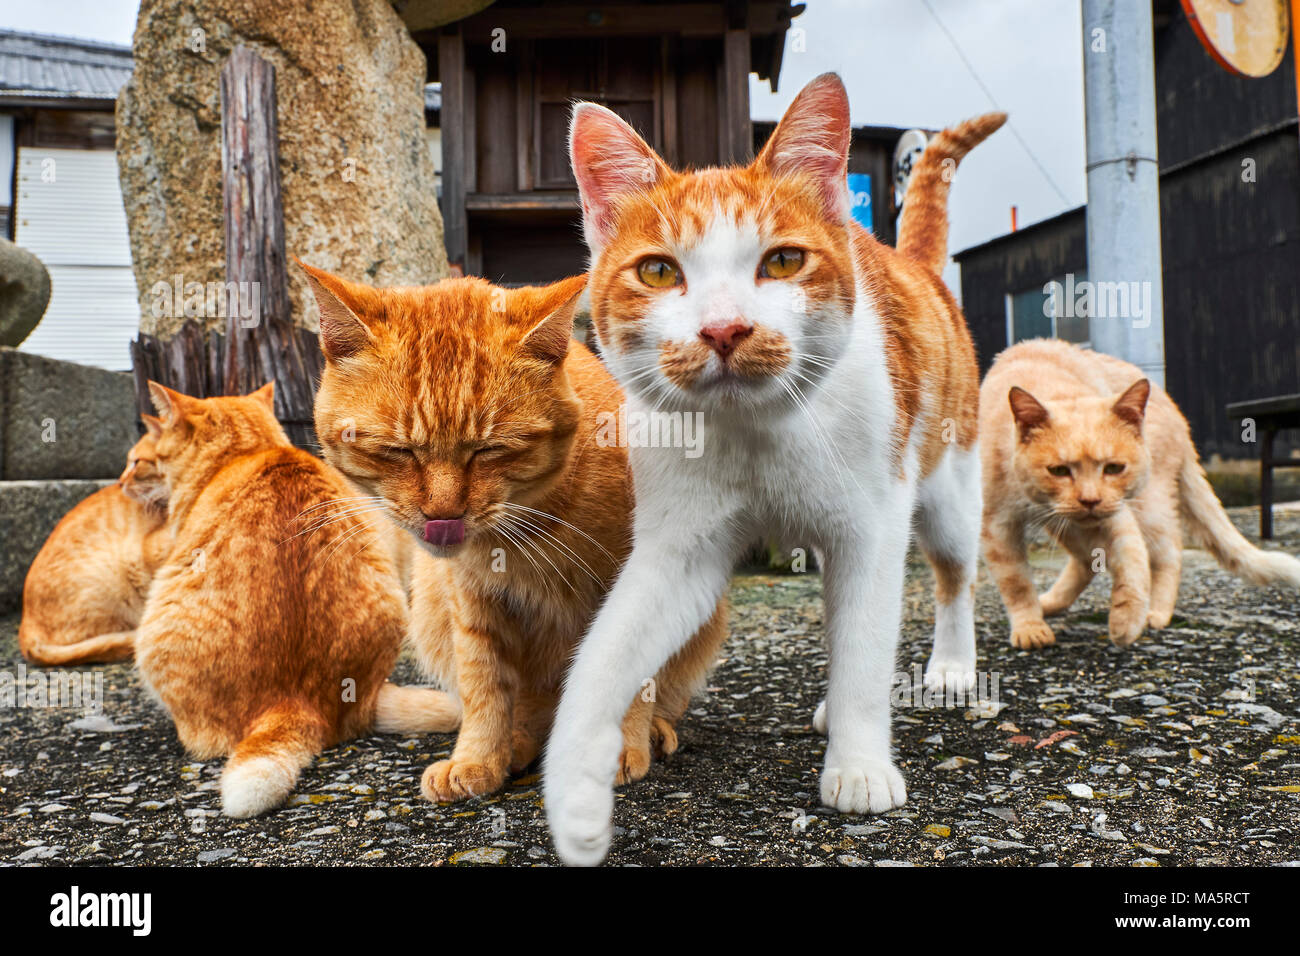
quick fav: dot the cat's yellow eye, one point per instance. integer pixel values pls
(781, 264)
(396, 451)
(1059, 471)
(658, 273)
(1114, 468)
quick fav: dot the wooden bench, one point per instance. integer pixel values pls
(1270, 415)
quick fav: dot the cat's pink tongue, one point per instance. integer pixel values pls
(445, 532)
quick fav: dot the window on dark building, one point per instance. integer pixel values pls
(1048, 311)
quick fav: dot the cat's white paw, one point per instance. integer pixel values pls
(863, 786)
(943, 674)
(819, 718)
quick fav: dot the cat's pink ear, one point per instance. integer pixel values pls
(342, 333)
(610, 161)
(549, 339)
(152, 426)
(1131, 407)
(812, 140)
(1028, 411)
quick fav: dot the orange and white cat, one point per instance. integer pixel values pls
(466, 413)
(837, 387)
(276, 617)
(1082, 445)
(86, 587)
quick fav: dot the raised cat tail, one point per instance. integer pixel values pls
(265, 765)
(923, 232)
(1211, 527)
(100, 649)
(415, 710)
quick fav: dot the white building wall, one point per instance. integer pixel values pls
(69, 212)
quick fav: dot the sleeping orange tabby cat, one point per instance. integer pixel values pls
(86, 588)
(471, 418)
(1081, 444)
(269, 631)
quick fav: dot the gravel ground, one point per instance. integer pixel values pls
(1184, 751)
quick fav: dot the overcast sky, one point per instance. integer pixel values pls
(901, 69)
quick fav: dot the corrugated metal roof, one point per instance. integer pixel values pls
(48, 67)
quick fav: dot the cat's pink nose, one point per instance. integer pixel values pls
(1090, 503)
(445, 532)
(723, 337)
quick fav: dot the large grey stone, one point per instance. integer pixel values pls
(24, 292)
(357, 179)
(63, 420)
(29, 510)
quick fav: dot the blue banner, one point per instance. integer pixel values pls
(860, 198)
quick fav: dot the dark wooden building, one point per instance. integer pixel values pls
(1230, 232)
(677, 72)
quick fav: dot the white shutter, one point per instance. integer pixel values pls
(68, 211)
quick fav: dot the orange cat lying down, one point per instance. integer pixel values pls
(274, 621)
(86, 588)
(1079, 443)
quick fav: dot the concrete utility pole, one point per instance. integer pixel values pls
(1123, 184)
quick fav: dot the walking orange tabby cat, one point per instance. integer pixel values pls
(836, 383)
(471, 418)
(1080, 443)
(269, 631)
(86, 588)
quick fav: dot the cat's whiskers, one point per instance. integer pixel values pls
(506, 529)
(535, 546)
(322, 522)
(546, 534)
(335, 501)
(825, 439)
(342, 540)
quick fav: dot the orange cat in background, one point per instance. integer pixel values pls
(473, 421)
(277, 616)
(1079, 443)
(86, 588)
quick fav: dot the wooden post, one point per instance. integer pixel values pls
(262, 341)
(1266, 483)
(456, 129)
(737, 132)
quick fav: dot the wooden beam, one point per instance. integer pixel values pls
(254, 219)
(737, 138)
(263, 343)
(451, 69)
(669, 51)
(566, 201)
(524, 118)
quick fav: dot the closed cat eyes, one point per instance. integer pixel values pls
(1063, 471)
